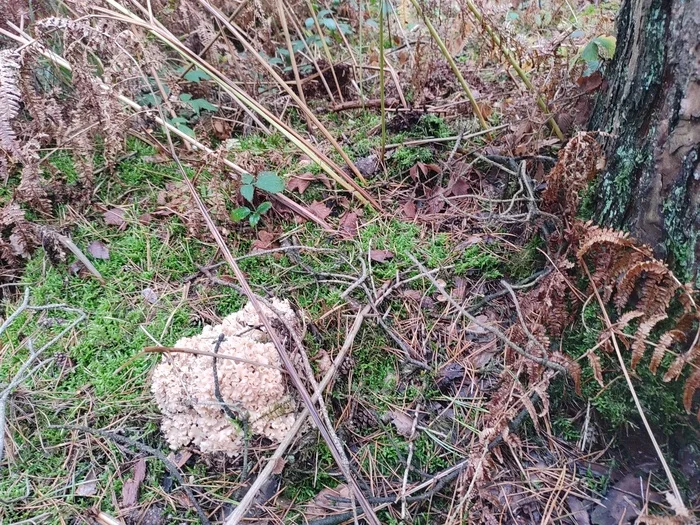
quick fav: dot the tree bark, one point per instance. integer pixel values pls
(651, 109)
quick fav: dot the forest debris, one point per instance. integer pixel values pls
(115, 217)
(130, 489)
(402, 421)
(98, 250)
(380, 256)
(319, 209)
(87, 487)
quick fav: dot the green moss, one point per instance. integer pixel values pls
(405, 157)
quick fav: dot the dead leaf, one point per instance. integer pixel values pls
(323, 361)
(150, 295)
(115, 217)
(264, 241)
(319, 209)
(459, 186)
(591, 82)
(368, 166)
(130, 489)
(380, 256)
(279, 466)
(98, 250)
(348, 225)
(475, 329)
(578, 511)
(414, 295)
(145, 218)
(409, 209)
(326, 501)
(87, 487)
(300, 182)
(403, 422)
(179, 458)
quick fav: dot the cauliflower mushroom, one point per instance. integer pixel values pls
(253, 385)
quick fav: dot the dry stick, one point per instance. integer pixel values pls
(242, 509)
(452, 63)
(514, 63)
(319, 70)
(495, 331)
(408, 462)
(123, 440)
(420, 142)
(283, 199)
(678, 506)
(296, 380)
(168, 349)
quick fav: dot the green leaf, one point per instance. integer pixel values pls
(263, 208)
(185, 97)
(309, 23)
(254, 219)
(270, 182)
(240, 213)
(329, 23)
(606, 46)
(202, 104)
(185, 129)
(196, 75)
(247, 191)
(590, 52)
(247, 178)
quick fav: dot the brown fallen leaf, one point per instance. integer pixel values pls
(87, 487)
(179, 458)
(150, 295)
(300, 182)
(98, 250)
(265, 241)
(319, 209)
(348, 225)
(115, 217)
(130, 489)
(403, 422)
(380, 256)
(326, 501)
(409, 210)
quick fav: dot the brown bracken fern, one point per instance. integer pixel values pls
(654, 310)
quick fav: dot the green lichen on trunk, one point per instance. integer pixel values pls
(681, 240)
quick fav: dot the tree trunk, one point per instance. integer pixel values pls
(651, 108)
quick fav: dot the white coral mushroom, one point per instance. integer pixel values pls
(254, 384)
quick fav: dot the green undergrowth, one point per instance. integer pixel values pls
(101, 377)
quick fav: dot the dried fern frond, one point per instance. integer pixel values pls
(576, 166)
(10, 98)
(640, 338)
(691, 385)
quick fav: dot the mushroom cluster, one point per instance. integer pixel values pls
(251, 382)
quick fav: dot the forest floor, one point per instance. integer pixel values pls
(442, 422)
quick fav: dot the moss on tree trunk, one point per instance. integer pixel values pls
(651, 108)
